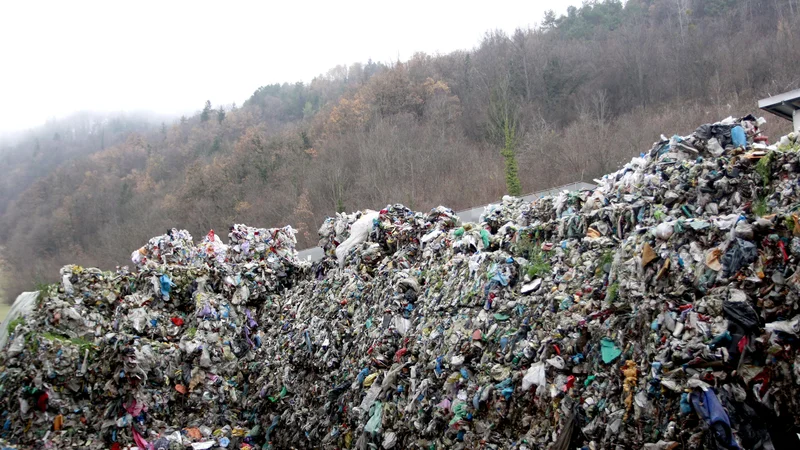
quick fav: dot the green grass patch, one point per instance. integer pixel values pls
(44, 290)
(525, 246)
(15, 323)
(760, 207)
(83, 344)
(613, 291)
(538, 264)
(791, 147)
(607, 258)
(764, 168)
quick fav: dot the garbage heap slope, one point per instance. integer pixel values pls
(659, 311)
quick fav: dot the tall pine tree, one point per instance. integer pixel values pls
(206, 114)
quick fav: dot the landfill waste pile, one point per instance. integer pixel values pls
(657, 311)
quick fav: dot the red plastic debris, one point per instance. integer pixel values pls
(570, 383)
(399, 354)
(41, 402)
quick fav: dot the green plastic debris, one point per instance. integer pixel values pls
(459, 411)
(375, 419)
(609, 350)
(485, 238)
(699, 224)
(459, 232)
(284, 392)
(501, 317)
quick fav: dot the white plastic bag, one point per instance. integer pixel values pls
(535, 376)
(358, 234)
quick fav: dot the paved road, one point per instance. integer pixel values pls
(472, 214)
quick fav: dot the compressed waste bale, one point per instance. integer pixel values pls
(658, 310)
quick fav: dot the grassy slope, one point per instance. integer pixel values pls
(4, 310)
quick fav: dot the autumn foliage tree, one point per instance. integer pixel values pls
(571, 99)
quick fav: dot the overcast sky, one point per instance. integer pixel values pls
(168, 57)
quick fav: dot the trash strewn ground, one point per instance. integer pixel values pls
(657, 311)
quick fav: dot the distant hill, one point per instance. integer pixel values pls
(580, 94)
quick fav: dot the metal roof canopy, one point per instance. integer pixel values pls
(784, 105)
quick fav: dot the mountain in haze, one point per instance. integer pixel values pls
(564, 102)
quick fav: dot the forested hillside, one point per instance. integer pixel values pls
(569, 100)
